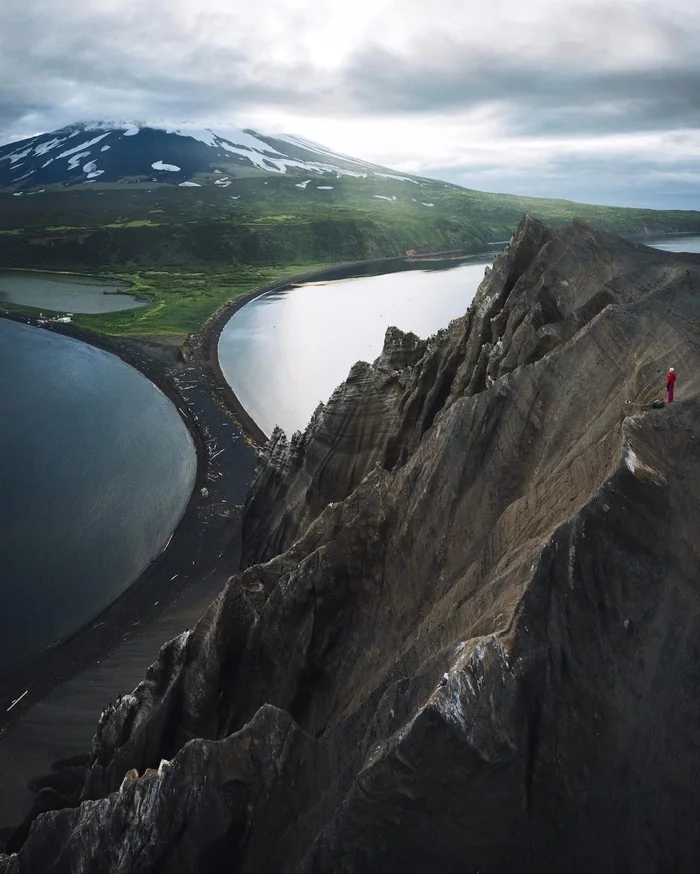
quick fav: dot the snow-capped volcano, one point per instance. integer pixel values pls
(99, 152)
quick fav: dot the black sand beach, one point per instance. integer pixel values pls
(45, 736)
(64, 689)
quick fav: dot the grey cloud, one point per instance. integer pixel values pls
(65, 62)
(618, 67)
(607, 180)
(151, 65)
(551, 97)
(151, 70)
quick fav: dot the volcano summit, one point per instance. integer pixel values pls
(129, 153)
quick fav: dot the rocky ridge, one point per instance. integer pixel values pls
(539, 294)
(505, 503)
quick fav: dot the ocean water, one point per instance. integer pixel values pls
(96, 469)
(285, 352)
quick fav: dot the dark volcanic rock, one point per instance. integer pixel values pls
(98, 152)
(539, 294)
(502, 503)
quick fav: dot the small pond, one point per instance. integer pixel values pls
(65, 292)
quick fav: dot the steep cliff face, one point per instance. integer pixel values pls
(540, 292)
(507, 507)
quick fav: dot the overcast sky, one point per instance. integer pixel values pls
(596, 101)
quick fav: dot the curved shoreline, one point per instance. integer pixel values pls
(175, 589)
(203, 531)
(206, 341)
(48, 668)
(45, 670)
(40, 673)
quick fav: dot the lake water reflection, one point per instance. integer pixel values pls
(285, 352)
(690, 243)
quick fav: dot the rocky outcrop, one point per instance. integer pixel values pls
(534, 541)
(539, 293)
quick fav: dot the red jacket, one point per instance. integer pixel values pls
(671, 378)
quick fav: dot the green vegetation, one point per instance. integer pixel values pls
(192, 249)
(136, 223)
(182, 301)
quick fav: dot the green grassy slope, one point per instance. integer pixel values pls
(190, 249)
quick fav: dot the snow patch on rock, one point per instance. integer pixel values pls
(76, 159)
(394, 176)
(320, 150)
(86, 145)
(17, 156)
(43, 148)
(159, 165)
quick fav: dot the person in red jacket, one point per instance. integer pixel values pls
(670, 383)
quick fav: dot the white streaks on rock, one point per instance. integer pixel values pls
(75, 160)
(43, 148)
(86, 145)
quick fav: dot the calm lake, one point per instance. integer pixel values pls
(286, 351)
(96, 469)
(62, 293)
(690, 243)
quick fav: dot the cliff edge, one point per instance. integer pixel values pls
(505, 503)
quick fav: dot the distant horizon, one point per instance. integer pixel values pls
(594, 101)
(226, 129)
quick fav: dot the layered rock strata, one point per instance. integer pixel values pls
(503, 503)
(545, 288)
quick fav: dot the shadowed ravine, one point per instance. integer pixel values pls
(505, 502)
